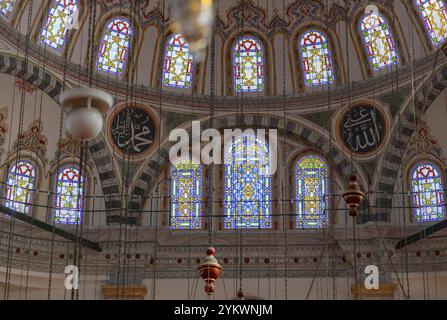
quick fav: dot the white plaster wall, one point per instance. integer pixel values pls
(38, 106)
(423, 286)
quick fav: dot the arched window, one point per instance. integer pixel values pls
(247, 184)
(178, 63)
(427, 193)
(311, 179)
(115, 45)
(68, 198)
(61, 16)
(20, 186)
(434, 15)
(316, 59)
(186, 195)
(379, 43)
(248, 64)
(6, 7)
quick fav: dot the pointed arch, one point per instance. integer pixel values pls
(378, 41)
(248, 56)
(6, 7)
(61, 15)
(434, 15)
(312, 190)
(68, 202)
(186, 195)
(316, 58)
(248, 186)
(427, 192)
(20, 186)
(178, 63)
(115, 45)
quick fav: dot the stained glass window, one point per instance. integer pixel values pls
(6, 7)
(178, 63)
(311, 192)
(68, 197)
(316, 59)
(248, 64)
(186, 195)
(434, 14)
(115, 45)
(427, 193)
(247, 184)
(379, 43)
(20, 186)
(60, 16)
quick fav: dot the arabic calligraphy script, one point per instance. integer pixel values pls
(133, 130)
(363, 129)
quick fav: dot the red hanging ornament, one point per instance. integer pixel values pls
(353, 196)
(210, 270)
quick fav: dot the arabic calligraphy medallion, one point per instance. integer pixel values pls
(132, 130)
(363, 129)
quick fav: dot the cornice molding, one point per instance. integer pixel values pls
(301, 103)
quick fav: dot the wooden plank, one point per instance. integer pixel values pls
(52, 229)
(384, 291)
(421, 235)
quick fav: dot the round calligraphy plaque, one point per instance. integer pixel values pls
(363, 129)
(132, 130)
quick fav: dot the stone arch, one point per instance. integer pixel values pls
(149, 174)
(101, 155)
(403, 129)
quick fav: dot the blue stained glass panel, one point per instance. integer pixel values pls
(248, 192)
(248, 65)
(427, 193)
(178, 63)
(20, 186)
(114, 47)
(311, 192)
(186, 195)
(60, 16)
(379, 42)
(434, 15)
(68, 197)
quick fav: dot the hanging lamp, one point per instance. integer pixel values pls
(353, 196)
(194, 20)
(240, 294)
(86, 107)
(210, 270)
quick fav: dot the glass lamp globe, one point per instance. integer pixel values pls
(86, 107)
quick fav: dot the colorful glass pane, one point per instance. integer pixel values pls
(427, 193)
(6, 7)
(114, 47)
(248, 65)
(311, 192)
(247, 184)
(316, 59)
(434, 14)
(20, 186)
(186, 195)
(68, 198)
(60, 16)
(178, 63)
(379, 42)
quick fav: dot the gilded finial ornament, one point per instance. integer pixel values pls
(353, 196)
(210, 270)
